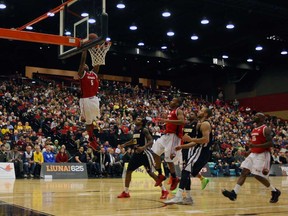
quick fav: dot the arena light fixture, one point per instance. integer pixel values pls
(2, 5)
(166, 13)
(170, 33)
(284, 52)
(204, 21)
(108, 39)
(84, 14)
(225, 56)
(163, 47)
(194, 37)
(29, 28)
(68, 33)
(249, 60)
(133, 28)
(141, 44)
(91, 21)
(121, 5)
(50, 14)
(259, 48)
(230, 26)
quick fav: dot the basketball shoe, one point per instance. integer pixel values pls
(174, 183)
(230, 194)
(187, 201)
(160, 179)
(164, 194)
(275, 196)
(124, 195)
(175, 200)
(204, 183)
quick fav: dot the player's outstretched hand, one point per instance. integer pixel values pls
(177, 148)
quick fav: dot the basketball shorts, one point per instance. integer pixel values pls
(256, 162)
(166, 144)
(143, 159)
(197, 159)
(89, 108)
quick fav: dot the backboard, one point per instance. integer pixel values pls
(78, 19)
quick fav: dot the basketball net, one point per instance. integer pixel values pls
(98, 53)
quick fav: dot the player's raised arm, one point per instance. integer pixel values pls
(82, 63)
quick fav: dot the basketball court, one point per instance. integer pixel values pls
(99, 197)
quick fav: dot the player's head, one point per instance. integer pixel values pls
(191, 116)
(259, 118)
(139, 121)
(176, 102)
(205, 112)
(86, 67)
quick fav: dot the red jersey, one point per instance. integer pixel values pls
(173, 128)
(258, 137)
(89, 84)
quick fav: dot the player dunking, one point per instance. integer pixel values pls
(258, 161)
(166, 143)
(198, 156)
(89, 102)
(142, 140)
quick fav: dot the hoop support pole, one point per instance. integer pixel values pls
(13, 34)
(44, 16)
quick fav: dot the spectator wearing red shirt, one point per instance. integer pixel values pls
(61, 157)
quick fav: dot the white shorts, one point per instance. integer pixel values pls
(90, 110)
(256, 162)
(166, 144)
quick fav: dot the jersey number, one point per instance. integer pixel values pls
(92, 82)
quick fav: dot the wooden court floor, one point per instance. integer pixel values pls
(99, 197)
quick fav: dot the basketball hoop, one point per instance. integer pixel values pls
(98, 53)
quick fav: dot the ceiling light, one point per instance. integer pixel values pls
(29, 27)
(84, 14)
(133, 27)
(163, 47)
(108, 39)
(284, 52)
(170, 33)
(120, 5)
(194, 37)
(166, 14)
(204, 21)
(230, 26)
(148, 61)
(141, 44)
(259, 48)
(2, 5)
(225, 56)
(91, 21)
(50, 14)
(249, 60)
(68, 33)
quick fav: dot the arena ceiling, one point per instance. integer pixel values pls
(257, 22)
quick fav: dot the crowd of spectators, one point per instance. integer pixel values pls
(40, 123)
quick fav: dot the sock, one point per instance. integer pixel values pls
(173, 175)
(163, 188)
(126, 190)
(188, 194)
(90, 133)
(272, 187)
(179, 193)
(237, 188)
(159, 171)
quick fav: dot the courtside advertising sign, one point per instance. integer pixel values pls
(64, 171)
(7, 171)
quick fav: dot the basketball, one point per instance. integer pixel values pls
(92, 36)
(265, 171)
